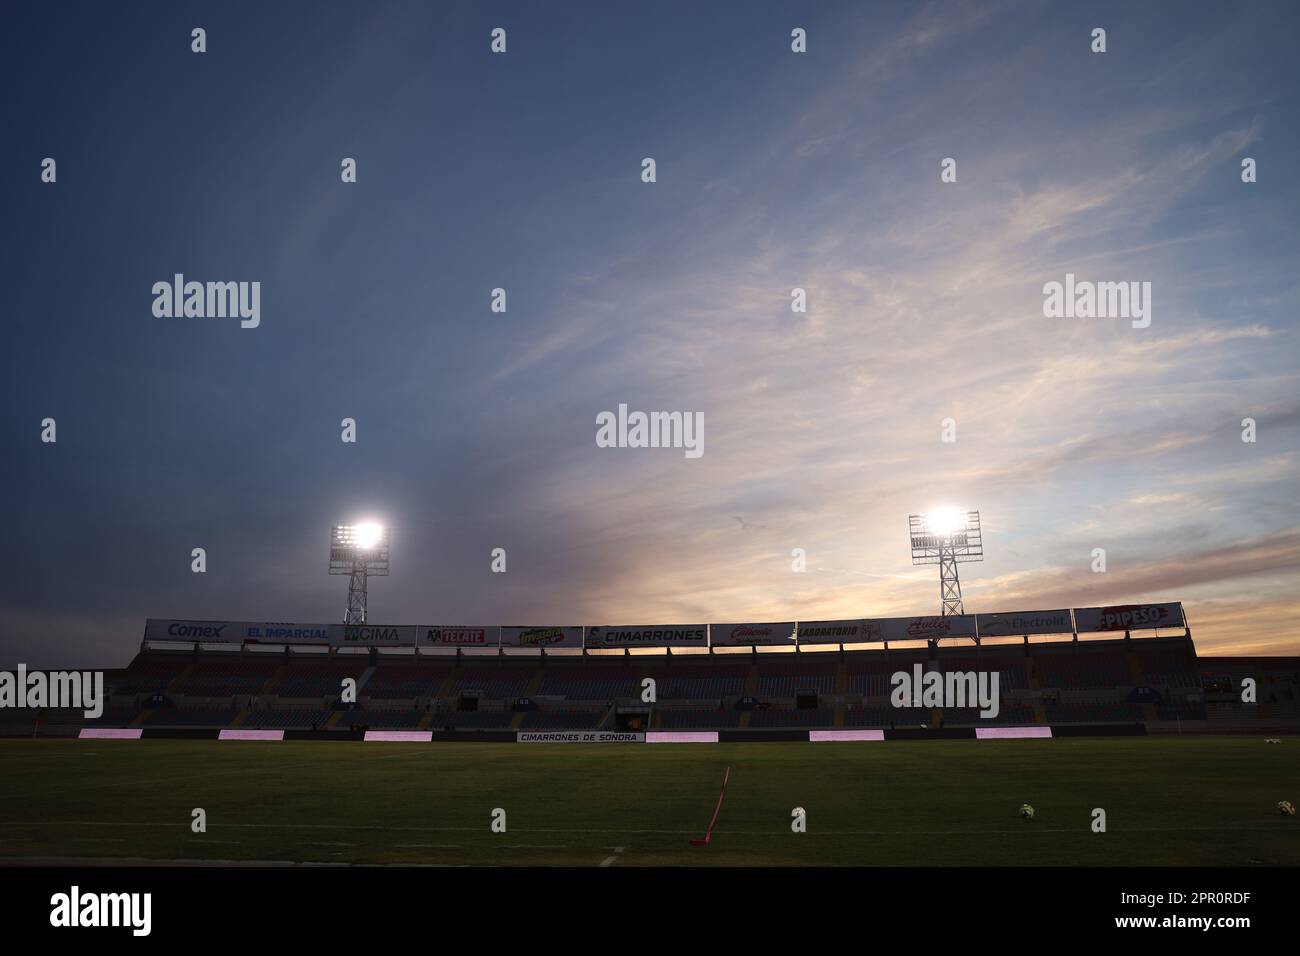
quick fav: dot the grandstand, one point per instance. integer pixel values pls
(1158, 682)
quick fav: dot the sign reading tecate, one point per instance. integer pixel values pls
(649, 635)
(1128, 617)
(458, 635)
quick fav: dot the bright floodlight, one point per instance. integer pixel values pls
(947, 537)
(945, 522)
(359, 551)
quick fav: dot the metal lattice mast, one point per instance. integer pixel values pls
(361, 552)
(947, 538)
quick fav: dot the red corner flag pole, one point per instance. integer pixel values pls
(708, 834)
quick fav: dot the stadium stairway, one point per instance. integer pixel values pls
(841, 688)
(241, 717)
(750, 689)
(272, 680)
(176, 681)
(534, 685)
(1040, 712)
(364, 679)
(1149, 711)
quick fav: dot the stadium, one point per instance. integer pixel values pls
(341, 718)
(615, 456)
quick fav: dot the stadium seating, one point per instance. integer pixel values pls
(689, 719)
(1055, 683)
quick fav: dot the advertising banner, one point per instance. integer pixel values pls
(215, 632)
(839, 632)
(927, 628)
(731, 635)
(378, 635)
(459, 635)
(649, 635)
(547, 637)
(1018, 623)
(1128, 617)
(578, 737)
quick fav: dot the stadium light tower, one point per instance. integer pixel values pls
(947, 537)
(360, 551)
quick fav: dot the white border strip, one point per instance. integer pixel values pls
(831, 736)
(995, 733)
(237, 734)
(399, 736)
(110, 733)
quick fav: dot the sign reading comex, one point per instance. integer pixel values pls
(578, 737)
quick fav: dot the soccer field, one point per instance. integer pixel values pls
(1168, 801)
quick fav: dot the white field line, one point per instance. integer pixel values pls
(610, 860)
(1027, 828)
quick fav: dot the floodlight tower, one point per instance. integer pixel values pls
(360, 551)
(947, 538)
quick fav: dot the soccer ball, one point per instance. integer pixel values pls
(1286, 808)
(1027, 811)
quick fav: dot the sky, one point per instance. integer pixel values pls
(775, 170)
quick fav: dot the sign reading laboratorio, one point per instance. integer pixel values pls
(459, 636)
(649, 635)
(927, 628)
(1128, 617)
(730, 635)
(1019, 623)
(577, 737)
(541, 636)
(839, 632)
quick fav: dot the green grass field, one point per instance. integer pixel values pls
(1169, 801)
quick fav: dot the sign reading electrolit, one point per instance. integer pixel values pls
(578, 737)
(1017, 623)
